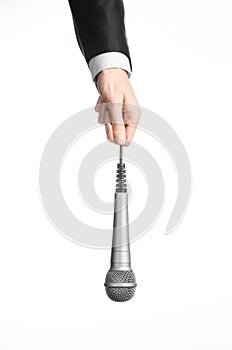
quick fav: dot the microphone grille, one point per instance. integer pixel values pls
(120, 285)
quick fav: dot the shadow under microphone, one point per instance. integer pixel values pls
(120, 282)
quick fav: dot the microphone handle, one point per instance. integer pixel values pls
(120, 253)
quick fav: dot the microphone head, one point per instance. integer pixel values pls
(120, 285)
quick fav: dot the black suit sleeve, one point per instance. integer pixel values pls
(99, 27)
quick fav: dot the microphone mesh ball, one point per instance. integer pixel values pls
(115, 289)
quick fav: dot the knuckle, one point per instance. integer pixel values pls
(119, 131)
(132, 115)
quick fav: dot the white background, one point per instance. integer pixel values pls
(51, 290)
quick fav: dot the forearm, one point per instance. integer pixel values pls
(100, 29)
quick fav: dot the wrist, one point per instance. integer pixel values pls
(108, 60)
(113, 72)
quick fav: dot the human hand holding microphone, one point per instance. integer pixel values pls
(118, 109)
(117, 106)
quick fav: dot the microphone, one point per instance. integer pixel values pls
(120, 281)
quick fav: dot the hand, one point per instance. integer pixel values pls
(117, 106)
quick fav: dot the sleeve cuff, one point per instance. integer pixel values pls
(109, 60)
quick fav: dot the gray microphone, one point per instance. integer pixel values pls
(120, 281)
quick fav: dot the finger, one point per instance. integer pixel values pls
(118, 127)
(131, 114)
(119, 133)
(109, 132)
(115, 110)
(103, 116)
(99, 101)
(130, 131)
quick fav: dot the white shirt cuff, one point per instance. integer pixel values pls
(109, 60)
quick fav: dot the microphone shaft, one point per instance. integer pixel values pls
(120, 253)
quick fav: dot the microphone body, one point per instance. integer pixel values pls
(120, 253)
(120, 281)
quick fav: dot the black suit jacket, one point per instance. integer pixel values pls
(99, 27)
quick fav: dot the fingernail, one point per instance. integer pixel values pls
(120, 140)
